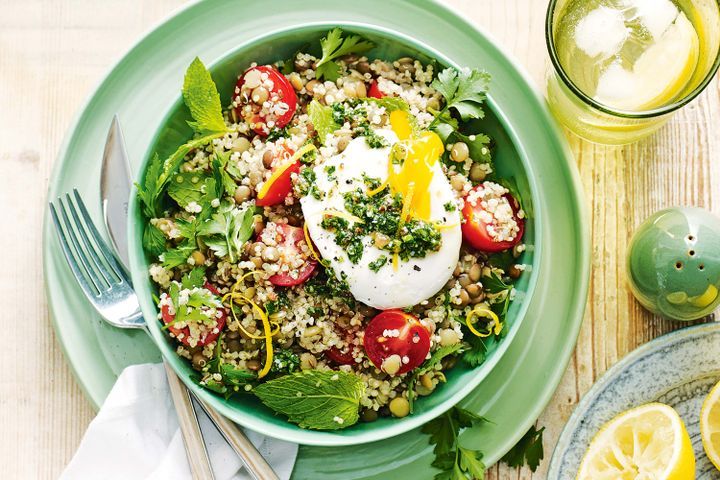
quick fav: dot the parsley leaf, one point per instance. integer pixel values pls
(226, 232)
(202, 98)
(335, 46)
(177, 256)
(148, 191)
(454, 461)
(464, 91)
(321, 400)
(221, 175)
(476, 354)
(321, 117)
(195, 278)
(528, 451)
(153, 240)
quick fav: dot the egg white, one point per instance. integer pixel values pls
(414, 280)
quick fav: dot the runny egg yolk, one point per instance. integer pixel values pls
(412, 178)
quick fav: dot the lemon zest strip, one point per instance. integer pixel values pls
(309, 242)
(281, 169)
(337, 213)
(478, 312)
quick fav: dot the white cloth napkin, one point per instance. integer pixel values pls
(136, 436)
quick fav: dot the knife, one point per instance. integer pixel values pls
(115, 184)
(115, 187)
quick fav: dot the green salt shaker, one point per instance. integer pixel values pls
(673, 263)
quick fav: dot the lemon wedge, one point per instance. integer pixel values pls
(659, 75)
(647, 442)
(710, 425)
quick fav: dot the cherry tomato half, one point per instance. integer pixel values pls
(406, 337)
(338, 356)
(281, 92)
(292, 239)
(475, 231)
(279, 185)
(374, 90)
(182, 334)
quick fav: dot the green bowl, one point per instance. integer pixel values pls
(511, 161)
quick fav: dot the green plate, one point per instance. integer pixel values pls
(146, 81)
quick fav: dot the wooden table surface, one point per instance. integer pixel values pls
(52, 53)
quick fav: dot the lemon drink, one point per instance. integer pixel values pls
(622, 65)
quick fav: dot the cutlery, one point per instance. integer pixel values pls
(115, 184)
(108, 289)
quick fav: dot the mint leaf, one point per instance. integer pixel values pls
(320, 400)
(390, 103)
(335, 46)
(528, 451)
(187, 187)
(202, 98)
(321, 117)
(464, 91)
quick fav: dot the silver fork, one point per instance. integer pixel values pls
(107, 287)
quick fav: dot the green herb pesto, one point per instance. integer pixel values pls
(357, 117)
(380, 214)
(378, 264)
(307, 184)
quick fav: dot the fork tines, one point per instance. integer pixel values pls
(88, 255)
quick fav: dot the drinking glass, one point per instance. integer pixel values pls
(592, 118)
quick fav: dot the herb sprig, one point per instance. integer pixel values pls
(454, 461)
(335, 46)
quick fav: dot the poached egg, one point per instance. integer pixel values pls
(398, 283)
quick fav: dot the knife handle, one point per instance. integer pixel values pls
(195, 448)
(253, 460)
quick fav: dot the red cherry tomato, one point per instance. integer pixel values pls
(281, 91)
(409, 339)
(374, 90)
(338, 356)
(182, 334)
(292, 239)
(279, 185)
(475, 231)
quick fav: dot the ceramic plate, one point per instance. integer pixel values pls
(146, 81)
(677, 369)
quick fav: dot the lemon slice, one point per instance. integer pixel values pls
(658, 76)
(710, 425)
(646, 443)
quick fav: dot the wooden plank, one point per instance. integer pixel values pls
(52, 53)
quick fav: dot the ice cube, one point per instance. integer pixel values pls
(601, 32)
(655, 15)
(616, 85)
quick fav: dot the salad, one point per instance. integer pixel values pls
(335, 239)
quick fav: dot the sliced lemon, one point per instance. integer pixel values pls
(646, 443)
(659, 75)
(710, 425)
